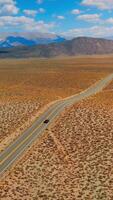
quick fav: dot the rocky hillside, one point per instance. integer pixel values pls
(77, 46)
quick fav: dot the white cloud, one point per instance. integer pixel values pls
(94, 31)
(101, 4)
(13, 21)
(9, 10)
(75, 12)
(33, 13)
(109, 21)
(30, 12)
(28, 34)
(60, 17)
(6, 2)
(39, 1)
(90, 17)
(8, 7)
(40, 26)
(41, 10)
(24, 24)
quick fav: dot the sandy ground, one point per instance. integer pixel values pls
(73, 160)
(26, 86)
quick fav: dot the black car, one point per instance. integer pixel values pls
(46, 121)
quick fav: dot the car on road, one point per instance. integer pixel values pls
(46, 121)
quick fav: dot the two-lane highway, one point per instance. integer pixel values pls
(17, 148)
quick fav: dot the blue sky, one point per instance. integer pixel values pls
(69, 18)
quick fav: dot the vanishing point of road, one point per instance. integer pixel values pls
(17, 148)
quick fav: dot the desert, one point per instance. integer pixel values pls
(26, 86)
(56, 100)
(73, 158)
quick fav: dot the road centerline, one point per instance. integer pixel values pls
(1, 162)
(21, 143)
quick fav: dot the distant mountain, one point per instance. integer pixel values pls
(110, 38)
(77, 46)
(15, 41)
(12, 41)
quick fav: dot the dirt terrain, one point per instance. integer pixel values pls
(73, 159)
(27, 85)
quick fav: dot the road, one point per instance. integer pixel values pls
(25, 140)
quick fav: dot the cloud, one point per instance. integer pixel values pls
(94, 31)
(8, 7)
(2, 2)
(61, 17)
(14, 21)
(10, 20)
(41, 10)
(95, 18)
(75, 12)
(109, 21)
(33, 13)
(30, 12)
(39, 1)
(40, 26)
(28, 35)
(90, 17)
(101, 4)
(24, 23)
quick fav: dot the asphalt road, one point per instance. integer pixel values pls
(25, 140)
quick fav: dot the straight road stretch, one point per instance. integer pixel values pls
(17, 148)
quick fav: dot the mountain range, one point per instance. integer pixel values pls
(15, 41)
(76, 46)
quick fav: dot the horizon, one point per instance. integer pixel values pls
(35, 36)
(78, 18)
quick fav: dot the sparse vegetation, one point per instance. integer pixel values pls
(73, 159)
(15, 117)
(27, 85)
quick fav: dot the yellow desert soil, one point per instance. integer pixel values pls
(27, 85)
(109, 88)
(72, 161)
